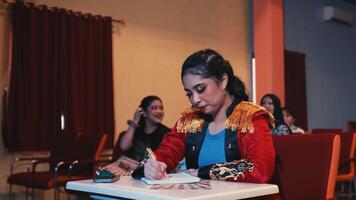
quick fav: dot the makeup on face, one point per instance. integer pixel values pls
(268, 104)
(155, 111)
(204, 93)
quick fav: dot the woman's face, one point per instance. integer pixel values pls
(288, 119)
(204, 93)
(268, 104)
(154, 112)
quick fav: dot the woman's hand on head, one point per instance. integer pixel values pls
(137, 115)
(154, 169)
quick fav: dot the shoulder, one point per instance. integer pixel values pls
(241, 118)
(243, 115)
(296, 129)
(281, 129)
(163, 128)
(191, 120)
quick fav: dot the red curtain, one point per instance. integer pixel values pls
(61, 65)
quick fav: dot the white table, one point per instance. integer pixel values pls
(129, 188)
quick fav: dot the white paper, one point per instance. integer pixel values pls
(173, 179)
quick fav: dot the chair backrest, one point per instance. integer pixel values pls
(347, 155)
(70, 147)
(89, 146)
(117, 152)
(62, 147)
(306, 165)
(327, 130)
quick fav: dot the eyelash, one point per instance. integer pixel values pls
(199, 90)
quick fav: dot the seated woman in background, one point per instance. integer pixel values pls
(272, 103)
(145, 130)
(221, 136)
(289, 118)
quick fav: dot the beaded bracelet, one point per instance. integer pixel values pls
(132, 124)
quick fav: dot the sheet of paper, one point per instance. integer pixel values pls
(173, 179)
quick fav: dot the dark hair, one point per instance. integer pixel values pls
(277, 114)
(145, 102)
(290, 111)
(209, 64)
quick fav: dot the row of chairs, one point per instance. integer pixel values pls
(306, 165)
(347, 167)
(65, 151)
(309, 165)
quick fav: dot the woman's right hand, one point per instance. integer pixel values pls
(154, 169)
(137, 115)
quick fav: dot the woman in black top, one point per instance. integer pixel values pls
(272, 103)
(145, 130)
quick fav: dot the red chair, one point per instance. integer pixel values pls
(65, 149)
(306, 165)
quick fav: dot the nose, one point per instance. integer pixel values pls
(195, 99)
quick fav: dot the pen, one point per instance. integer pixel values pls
(152, 155)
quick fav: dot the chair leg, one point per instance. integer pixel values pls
(354, 184)
(56, 194)
(342, 187)
(32, 193)
(68, 195)
(27, 193)
(10, 191)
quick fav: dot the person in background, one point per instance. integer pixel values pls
(145, 129)
(221, 136)
(272, 103)
(289, 118)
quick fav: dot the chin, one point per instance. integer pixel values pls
(207, 111)
(158, 121)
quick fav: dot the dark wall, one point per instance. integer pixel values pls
(330, 50)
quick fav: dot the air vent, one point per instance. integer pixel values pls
(332, 13)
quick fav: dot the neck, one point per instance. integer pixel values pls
(150, 126)
(219, 119)
(221, 114)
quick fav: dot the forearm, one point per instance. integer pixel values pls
(126, 140)
(171, 150)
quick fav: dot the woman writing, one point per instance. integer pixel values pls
(221, 136)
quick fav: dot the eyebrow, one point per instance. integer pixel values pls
(195, 86)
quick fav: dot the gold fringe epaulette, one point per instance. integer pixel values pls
(189, 121)
(241, 117)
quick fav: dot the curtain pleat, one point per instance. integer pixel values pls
(61, 65)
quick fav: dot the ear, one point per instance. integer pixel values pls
(224, 81)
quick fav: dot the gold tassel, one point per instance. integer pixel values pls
(241, 117)
(189, 121)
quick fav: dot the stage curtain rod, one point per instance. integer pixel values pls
(120, 21)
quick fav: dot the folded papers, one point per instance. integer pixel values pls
(173, 178)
